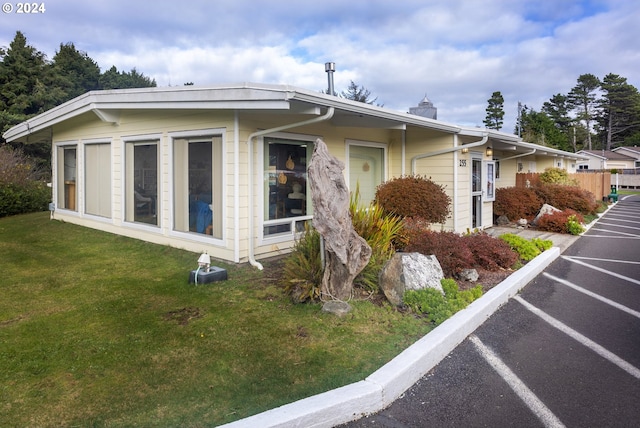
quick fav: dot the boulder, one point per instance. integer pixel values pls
(546, 209)
(409, 271)
(522, 223)
(470, 275)
(503, 220)
(336, 307)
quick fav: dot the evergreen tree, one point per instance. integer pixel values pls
(358, 93)
(557, 108)
(539, 128)
(583, 99)
(75, 71)
(495, 111)
(620, 105)
(114, 79)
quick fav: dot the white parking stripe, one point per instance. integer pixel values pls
(611, 237)
(596, 259)
(599, 229)
(601, 223)
(592, 294)
(632, 370)
(608, 272)
(526, 395)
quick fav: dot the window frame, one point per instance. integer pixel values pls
(103, 183)
(193, 136)
(129, 142)
(291, 226)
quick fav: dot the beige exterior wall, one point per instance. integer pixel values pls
(451, 170)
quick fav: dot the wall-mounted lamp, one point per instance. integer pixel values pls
(489, 151)
(465, 150)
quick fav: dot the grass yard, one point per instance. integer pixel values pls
(102, 330)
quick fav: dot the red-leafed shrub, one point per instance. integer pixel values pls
(414, 196)
(568, 197)
(517, 203)
(490, 253)
(448, 247)
(558, 221)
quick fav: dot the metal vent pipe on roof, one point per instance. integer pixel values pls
(330, 68)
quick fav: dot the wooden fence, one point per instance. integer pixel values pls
(598, 183)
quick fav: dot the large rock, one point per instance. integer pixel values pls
(346, 252)
(546, 209)
(409, 271)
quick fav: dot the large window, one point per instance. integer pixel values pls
(97, 173)
(66, 177)
(366, 170)
(198, 204)
(141, 181)
(287, 201)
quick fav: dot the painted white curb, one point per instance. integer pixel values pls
(385, 385)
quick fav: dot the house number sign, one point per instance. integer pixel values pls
(463, 162)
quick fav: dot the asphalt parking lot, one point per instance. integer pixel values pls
(564, 352)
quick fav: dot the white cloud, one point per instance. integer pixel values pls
(456, 51)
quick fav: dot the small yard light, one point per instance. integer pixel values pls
(204, 261)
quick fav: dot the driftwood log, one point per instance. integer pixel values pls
(346, 252)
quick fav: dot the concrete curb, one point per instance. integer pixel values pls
(385, 385)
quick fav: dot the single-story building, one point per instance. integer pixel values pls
(224, 169)
(609, 159)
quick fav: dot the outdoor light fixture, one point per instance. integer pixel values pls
(465, 150)
(489, 151)
(204, 262)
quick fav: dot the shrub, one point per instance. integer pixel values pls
(557, 176)
(439, 307)
(490, 253)
(526, 249)
(542, 244)
(567, 221)
(21, 191)
(568, 197)
(517, 203)
(448, 247)
(414, 196)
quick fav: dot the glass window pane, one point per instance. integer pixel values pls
(66, 164)
(142, 182)
(286, 178)
(198, 185)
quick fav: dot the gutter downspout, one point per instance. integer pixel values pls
(518, 156)
(328, 115)
(485, 138)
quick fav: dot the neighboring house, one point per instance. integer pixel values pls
(633, 152)
(606, 159)
(224, 169)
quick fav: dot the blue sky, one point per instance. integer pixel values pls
(457, 52)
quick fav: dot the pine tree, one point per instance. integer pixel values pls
(582, 98)
(495, 111)
(620, 105)
(358, 93)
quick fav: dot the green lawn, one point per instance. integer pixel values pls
(101, 330)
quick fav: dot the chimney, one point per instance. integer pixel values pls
(330, 67)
